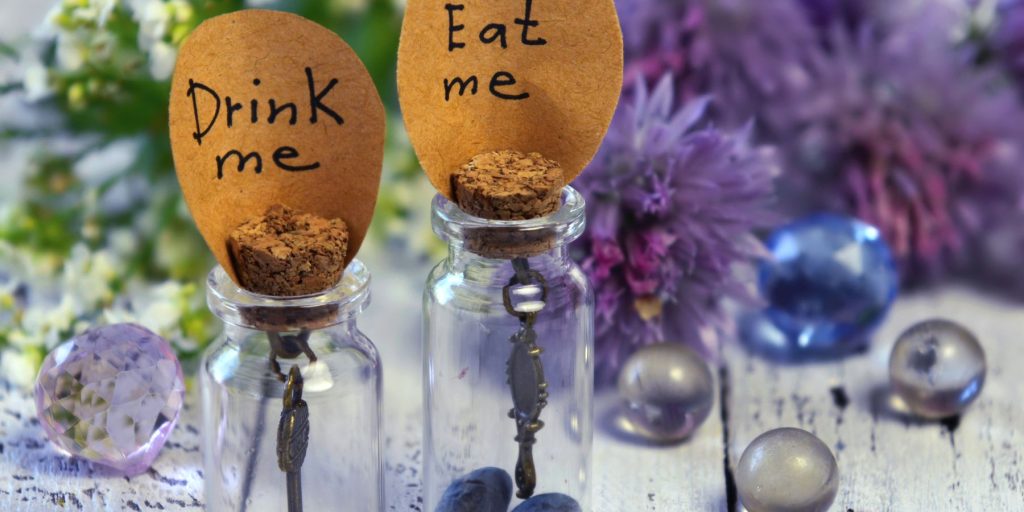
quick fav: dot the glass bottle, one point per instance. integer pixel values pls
(282, 363)
(506, 289)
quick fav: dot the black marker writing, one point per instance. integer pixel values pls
(496, 31)
(242, 161)
(452, 27)
(205, 99)
(201, 132)
(449, 84)
(491, 33)
(526, 22)
(316, 99)
(502, 79)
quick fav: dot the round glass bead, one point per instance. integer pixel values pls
(111, 395)
(937, 368)
(830, 280)
(668, 392)
(787, 470)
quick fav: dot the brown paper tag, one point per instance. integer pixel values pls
(268, 107)
(530, 75)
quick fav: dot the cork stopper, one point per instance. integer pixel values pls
(288, 253)
(508, 185)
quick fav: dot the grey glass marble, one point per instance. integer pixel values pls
(668, 391)
(937, 368)
(787, 470)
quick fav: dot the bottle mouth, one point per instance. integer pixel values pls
(238, 306)
(510, 238)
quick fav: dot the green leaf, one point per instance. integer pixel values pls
(9, 51)
(11, 87)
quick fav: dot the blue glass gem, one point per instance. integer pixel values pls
(830, 281)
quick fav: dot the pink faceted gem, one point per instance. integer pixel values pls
(111, 395)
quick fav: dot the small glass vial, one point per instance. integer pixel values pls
(508, 355)
(291, 396)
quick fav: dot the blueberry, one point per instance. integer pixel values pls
(553, 502)
(483, 490)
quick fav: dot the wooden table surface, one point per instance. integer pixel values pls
(887, 462)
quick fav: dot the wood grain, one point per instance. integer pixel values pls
(887, 462)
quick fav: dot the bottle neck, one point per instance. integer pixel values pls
(474, 242)
(334, 309)
(462, 258)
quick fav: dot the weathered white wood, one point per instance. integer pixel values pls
(632, 476)
(886, 460)
(35, 477)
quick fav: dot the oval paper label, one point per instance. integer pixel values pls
(527, 75)
(268, 107)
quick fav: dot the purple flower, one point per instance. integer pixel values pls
(903, 130)
(731, 48)
(671, 206)
(1008, 38)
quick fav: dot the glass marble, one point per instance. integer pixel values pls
(829, 282)
(787, 470)
(668, 391)
(111, 395)
(937, 368)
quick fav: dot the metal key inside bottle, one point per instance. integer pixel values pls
(526, 372)
(293, 438)
(293, 427)
(282, 346)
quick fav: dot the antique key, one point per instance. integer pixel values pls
(287, 347)
(526, 373)
(293, 438)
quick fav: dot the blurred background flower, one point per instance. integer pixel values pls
(905, 130)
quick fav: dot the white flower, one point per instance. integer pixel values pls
(100, 165)
(43, 324)
(162, 56)
(19, 367)
(36, 81)
(154, 18)
(171, 250)
(159, 308)
(123, 241)
(15, 263)
(88, 276)
(104, 8)
(71, 52)
(182, 10)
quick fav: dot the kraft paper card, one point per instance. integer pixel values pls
(270, 108)
(528, 75)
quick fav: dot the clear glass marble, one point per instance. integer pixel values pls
(667, 390)
(787, 470)
(245, 408)
(111, 395)
(937, 368)
(506, 289)
(831, 279)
